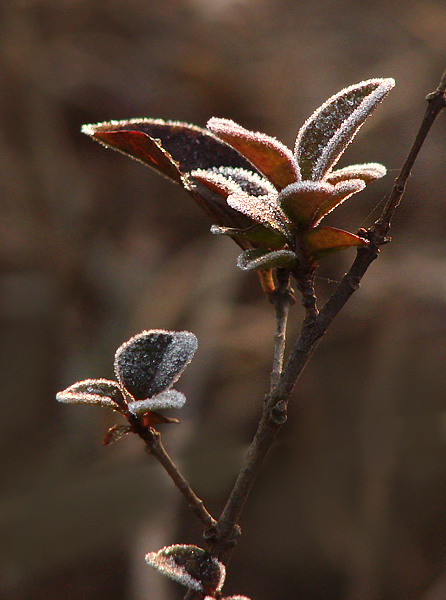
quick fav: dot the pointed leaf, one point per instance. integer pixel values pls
(263, 259)
(216, 184)
(320, 241)
(230, 180)
(235, 598)
(189, 565)
(214, 204)
(368, 172)
(325, 135)
(153, 418)
(99, 392)
(175, 149)
(178, 149)
(152, 361)
(257, 235)
(308, 202)
(169, 399)
(115, 433)
(262, 209)
(267, 154)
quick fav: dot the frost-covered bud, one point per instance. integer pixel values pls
(189, 565)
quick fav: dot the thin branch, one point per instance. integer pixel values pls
(154, 446)
(283, 299)
(436, 103)
(313, 328)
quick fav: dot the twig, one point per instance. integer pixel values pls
(282, 298)
(436, 102)
(313, 328)
(154, 446)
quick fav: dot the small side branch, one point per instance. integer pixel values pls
(436, 103)
(155, 447)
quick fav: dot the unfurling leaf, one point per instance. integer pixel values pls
(268, 155)
(252, 260)
(189, 565)
(100, 392)
(115, 433)
(306, 203)
(325, 135)
(368, 172)
(152, 361)
(320, 241)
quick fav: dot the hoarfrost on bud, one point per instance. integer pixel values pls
(189, 565)
(152, 361)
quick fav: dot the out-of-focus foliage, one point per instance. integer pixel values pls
(95, 248)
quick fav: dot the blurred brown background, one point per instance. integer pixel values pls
(94, 248)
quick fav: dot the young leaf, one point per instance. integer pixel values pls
(368, 172)
(228, 598)
(169, 399)
(229, 180)
(262, 209)
(100, 392)
(175, 149)
(258, 235)
(320, 241)
(115, 433)
(267, 154)
(153, 418)
(189, 565)
(252, 260)
(306, 203)
(152, 361)
(326, 134)
(184, 147)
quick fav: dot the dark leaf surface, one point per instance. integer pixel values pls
(152, 361)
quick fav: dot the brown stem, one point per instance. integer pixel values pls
(436, 102)
(282, 298)
(154, 446)
(313, 328)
